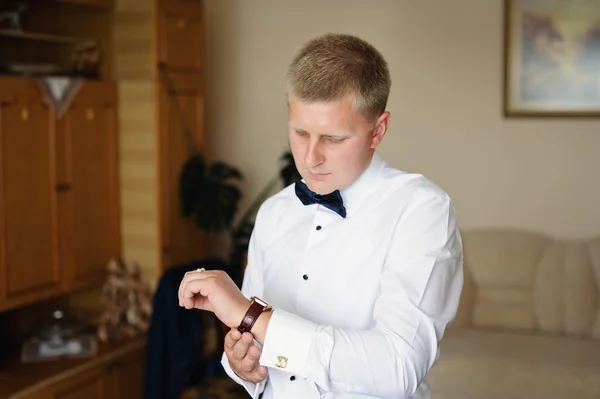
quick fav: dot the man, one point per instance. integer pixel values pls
(360, 262)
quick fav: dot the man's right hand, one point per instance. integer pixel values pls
(243, 356)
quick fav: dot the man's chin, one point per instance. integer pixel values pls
(319, 187)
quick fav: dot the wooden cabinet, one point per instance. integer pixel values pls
(58, 191)
(113, 374)
(64, 202)
(119, 378)
(29, 258)
(89, 384)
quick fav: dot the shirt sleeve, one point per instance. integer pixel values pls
(420, 288)
(252, 285)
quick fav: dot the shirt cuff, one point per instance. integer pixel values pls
(252, 388)
(287, 342)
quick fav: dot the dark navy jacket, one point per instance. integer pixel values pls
(174, 338)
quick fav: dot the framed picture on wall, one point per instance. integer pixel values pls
(552, 58)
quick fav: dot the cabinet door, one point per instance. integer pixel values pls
(127, 376)
(29, 268)
(89, 202)
(180, 39)
(182, 240)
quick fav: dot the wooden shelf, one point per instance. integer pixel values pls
(44, 37)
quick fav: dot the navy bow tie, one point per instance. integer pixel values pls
(332, 200)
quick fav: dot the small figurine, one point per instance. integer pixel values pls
(85, 60)
(127, 300)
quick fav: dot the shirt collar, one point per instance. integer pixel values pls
(357, 192)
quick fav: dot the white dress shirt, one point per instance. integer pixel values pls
(360, 303)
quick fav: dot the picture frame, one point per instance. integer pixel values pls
(552, 58)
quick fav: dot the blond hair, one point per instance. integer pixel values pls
(331, 67)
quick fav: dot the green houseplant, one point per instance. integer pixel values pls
(210, 195)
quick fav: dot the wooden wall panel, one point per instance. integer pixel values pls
(134, 70)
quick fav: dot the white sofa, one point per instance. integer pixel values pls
(529, 320)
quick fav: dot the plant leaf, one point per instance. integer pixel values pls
(208, 194)
(220, 171)
(190, 183)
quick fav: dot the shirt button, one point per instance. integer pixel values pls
(318, 228)
(305, 277)
(292, 378)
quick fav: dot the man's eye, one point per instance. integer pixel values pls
(302, 134)
(335, 139)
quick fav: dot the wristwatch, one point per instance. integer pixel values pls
(257, 307)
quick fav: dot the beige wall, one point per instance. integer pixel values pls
(538, 174)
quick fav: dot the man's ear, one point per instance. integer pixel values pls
(381, 127)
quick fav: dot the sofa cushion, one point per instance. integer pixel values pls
(485, 364)
(531, 282)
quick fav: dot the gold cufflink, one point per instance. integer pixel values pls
(281, 362)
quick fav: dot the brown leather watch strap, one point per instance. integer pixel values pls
(257, 307)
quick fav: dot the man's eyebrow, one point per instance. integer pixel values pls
(331, 134)
(299, 130)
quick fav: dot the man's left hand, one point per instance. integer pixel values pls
(213, 290)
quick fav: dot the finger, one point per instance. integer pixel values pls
(240, 349)
(189, 293)
(186, 277)
(231, 339)
(193, 288)
(250, 362)
(189, 276)
(202, 303)
(259, 374)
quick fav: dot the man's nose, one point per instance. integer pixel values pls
(314, 155)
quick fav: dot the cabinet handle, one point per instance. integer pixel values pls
(181, 23)
(25, 114)
(89, 114)
(63, 187)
